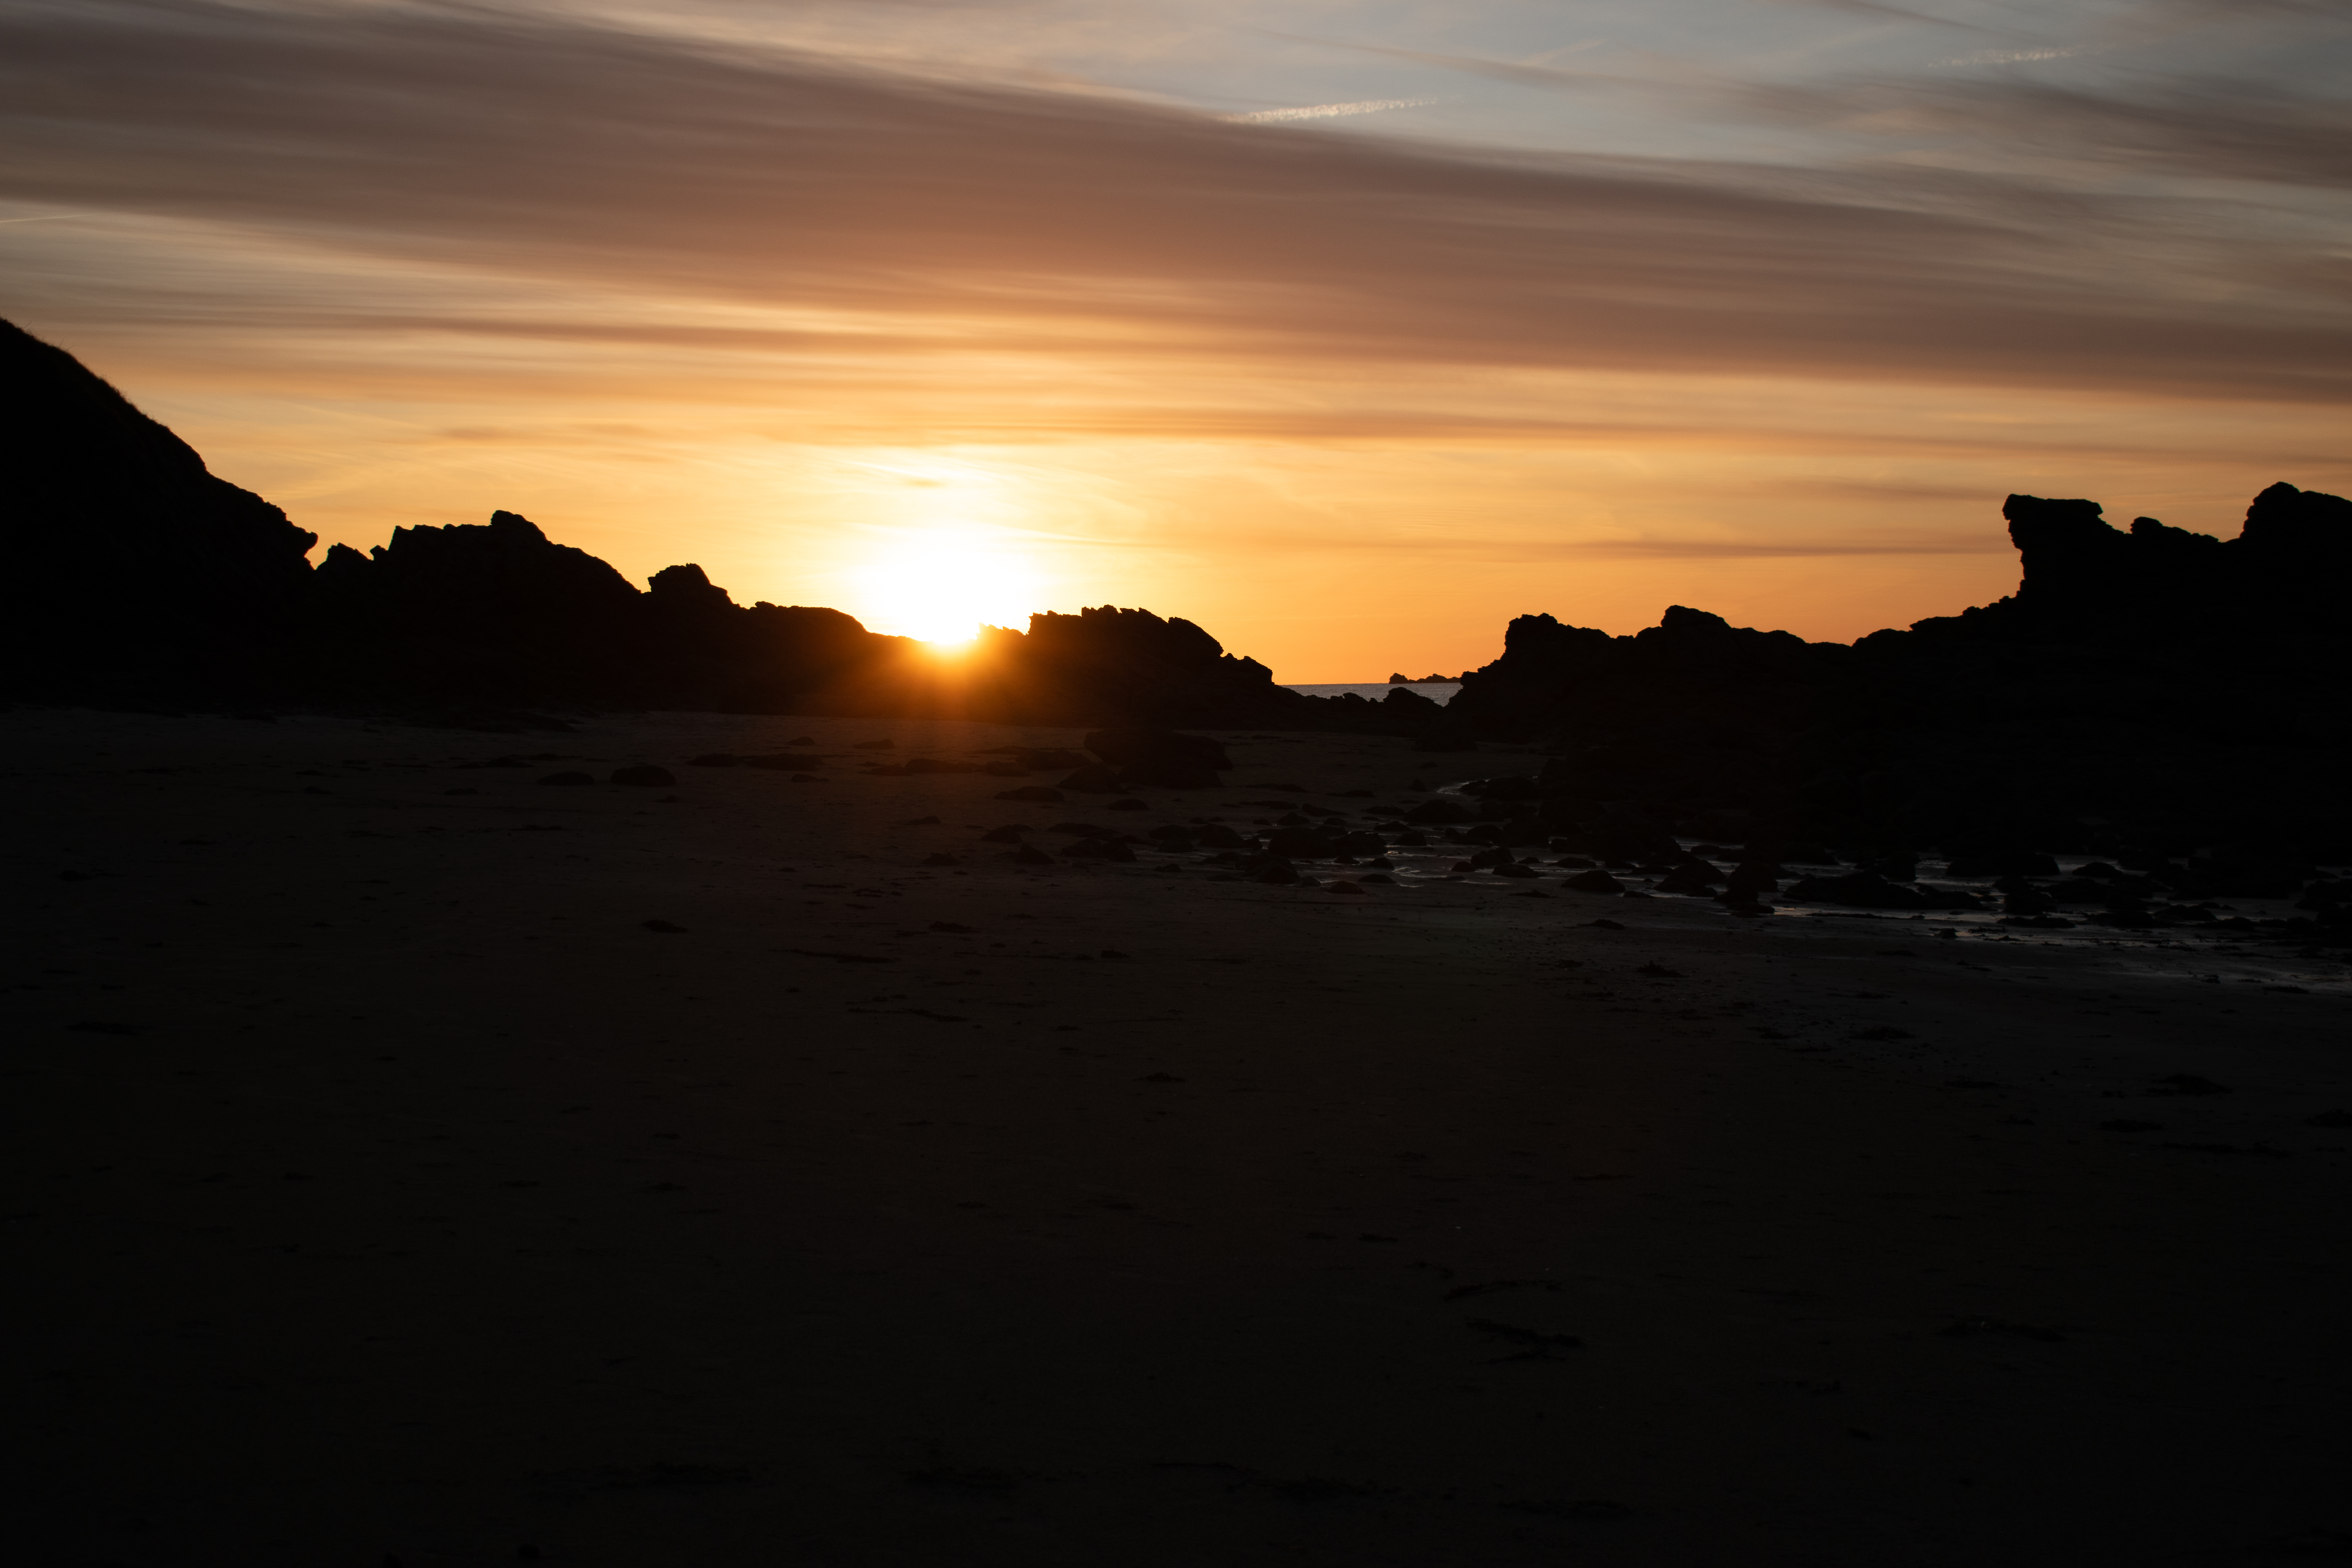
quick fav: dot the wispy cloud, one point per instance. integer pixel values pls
(1012, 220)
(1874, 9)
(1771, 335)
(2011, 56)
(1325, 110)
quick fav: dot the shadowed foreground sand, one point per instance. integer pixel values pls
(383, 1189)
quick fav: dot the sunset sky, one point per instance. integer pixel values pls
(1345, 329)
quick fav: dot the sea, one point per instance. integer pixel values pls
(1439, 691)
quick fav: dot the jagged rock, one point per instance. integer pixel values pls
(133, 569)
(2146, 691)
(1442, 730)
(1858, 890)
(1695, 881)
(1510, 786)
(2003, 863)
(1163, 757)
(1092, 779)
(1301, 844)
(774, 762)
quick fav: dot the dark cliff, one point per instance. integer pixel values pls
(129, 567)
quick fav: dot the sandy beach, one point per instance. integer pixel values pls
(415, 1163)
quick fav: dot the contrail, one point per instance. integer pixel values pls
(2011, 56)
(1326, 110)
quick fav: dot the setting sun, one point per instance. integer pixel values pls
(943, 587)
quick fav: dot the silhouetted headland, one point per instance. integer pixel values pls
(2153, 694)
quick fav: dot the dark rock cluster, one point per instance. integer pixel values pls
(2165, 700)
(2152, 695)
(135, 576)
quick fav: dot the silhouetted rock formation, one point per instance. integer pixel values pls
(136, 576)
(2147, 694)
(1127, 664)
(1161, 757)
(2156, 689)
(130, 570)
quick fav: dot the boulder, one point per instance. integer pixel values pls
(1858, 890)
(1162, 757)
(1092, 779)
(1301, 844)
(644, 775)
(2002, 863)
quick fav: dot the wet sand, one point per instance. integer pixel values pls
(384, 1189)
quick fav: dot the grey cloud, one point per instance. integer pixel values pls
(991, 217)
(2244, 130)
(1872, 8)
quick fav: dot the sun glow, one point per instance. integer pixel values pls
(943, 587)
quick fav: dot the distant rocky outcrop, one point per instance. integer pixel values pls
(500, 614)
(2156, 689)
(1125, 664)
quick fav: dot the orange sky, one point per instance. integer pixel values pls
(967, 311)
